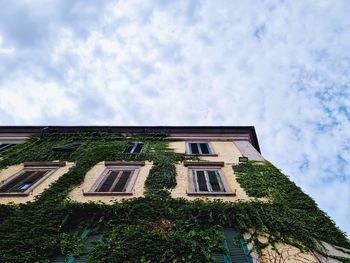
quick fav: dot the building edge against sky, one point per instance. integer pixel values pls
(207, 174)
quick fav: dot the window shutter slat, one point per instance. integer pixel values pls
(107, 184)
(202, 185)
(122, 182)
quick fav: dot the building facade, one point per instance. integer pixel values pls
(89, 181)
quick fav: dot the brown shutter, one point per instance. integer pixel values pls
(202, 185)
(122, 182)
(213, 179)
(15, 182)
(107, 184)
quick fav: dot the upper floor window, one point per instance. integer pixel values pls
(118, 177)
(28, 178)
(208, 181)
(199, 148)
(134, 147)
(207, 178)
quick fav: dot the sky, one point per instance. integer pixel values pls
(282, 66)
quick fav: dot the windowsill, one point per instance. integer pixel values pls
(202, 155)
(212, 193)
(106, 193)
(14, 194)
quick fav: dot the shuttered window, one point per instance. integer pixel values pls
(208, 181)
(115, 181)
(236, 245)
(89, 242)
(134, 147)
(199, 148)
(24, 180)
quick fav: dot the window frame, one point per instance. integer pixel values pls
(111, 166)
(192, 181)
(52, 168)
(134, 147)
(209, 145)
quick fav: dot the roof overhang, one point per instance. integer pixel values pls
(17, 134)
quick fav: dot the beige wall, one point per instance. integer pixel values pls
(90, 178)
(6, 173)
(226, 152)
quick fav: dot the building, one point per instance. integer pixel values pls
(153, 194)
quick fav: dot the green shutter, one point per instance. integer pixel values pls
(238, 253)
(88, 245)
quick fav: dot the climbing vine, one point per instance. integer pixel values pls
(155, 228)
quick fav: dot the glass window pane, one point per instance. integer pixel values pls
(122, 182)
(194, 148)
(138, 147)
(214, 181)
(107, 184)
(202, 184)
(204, 148)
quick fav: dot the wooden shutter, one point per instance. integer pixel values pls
(107, 184)
(202, 183)
(122, 182)
(204, 148)
(89, 243)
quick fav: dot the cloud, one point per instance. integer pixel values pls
(282, 66)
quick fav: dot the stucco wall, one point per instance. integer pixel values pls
(90, 178)
(6, 173)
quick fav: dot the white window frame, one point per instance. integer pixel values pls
(103, 177)
(210, 148)
(193, 184)
(51, 169)
(135, 146)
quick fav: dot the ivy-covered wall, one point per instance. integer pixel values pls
(155, 228)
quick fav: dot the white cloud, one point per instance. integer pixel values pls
(282, 66)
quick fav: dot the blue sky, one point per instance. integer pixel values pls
(282, 66)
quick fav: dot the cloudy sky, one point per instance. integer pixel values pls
(282, 66)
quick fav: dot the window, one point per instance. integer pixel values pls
(207, 181)
(199, 148)
(115, 181)
(3, 147)
(25, 180)
(238, 251)
(206, 178)
(134, 147)
(117, 178)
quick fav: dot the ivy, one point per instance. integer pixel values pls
(154, 228)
